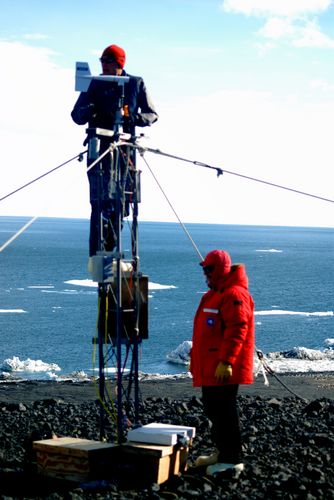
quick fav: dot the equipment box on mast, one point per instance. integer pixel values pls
(129, 313)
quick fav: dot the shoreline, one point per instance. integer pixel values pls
(308, 386)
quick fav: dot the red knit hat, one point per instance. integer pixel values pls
(115, 53)
(218, 258)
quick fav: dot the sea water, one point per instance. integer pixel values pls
(48, 302)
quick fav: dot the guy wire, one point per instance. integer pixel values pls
(221, 171)
(157, 151)
(23, 228)
(259, 353)
(176, 215)
(78, 156)
(20, 231)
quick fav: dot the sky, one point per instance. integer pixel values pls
(243, 85)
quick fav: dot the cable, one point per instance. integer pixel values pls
(220, 171)
(112, 413)
(20, 231)
(108, 150)
(178, 218)
(265, 366)
(270, 371)
(141, 150)
(78, 156)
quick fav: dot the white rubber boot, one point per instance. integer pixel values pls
(218, 468)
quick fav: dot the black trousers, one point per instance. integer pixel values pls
(220, 405)
(105, 221)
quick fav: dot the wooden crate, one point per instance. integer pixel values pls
(155, 463)
(77, 459)
(73, 458)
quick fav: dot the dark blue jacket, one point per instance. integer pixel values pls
(98, 105)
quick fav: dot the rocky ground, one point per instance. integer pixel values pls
(288, 441)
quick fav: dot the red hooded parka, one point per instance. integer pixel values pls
(224, 331)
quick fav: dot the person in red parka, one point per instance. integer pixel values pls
(221, 356)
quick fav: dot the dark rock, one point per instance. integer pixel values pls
(287, 449)
(315, 407)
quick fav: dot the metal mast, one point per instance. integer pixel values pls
(122, 305)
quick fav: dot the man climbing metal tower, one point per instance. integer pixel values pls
(99, 106)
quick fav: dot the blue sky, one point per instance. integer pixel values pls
(246, 85)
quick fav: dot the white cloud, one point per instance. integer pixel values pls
(38, 134)
(265, 48)
(287, 20)
(276, 28)
(35, 36)
(299, 33)
(323, 85)
(252, 133)
(285, 8)
(311, 36)
(255, 134)
(28, 71)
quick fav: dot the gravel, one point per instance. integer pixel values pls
(288, 447)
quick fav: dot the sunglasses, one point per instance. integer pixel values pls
(208, 269)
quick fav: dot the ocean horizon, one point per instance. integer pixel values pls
(48, 306)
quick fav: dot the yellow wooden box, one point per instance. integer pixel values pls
(73, 458)
(136, 463)
(155, 463)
